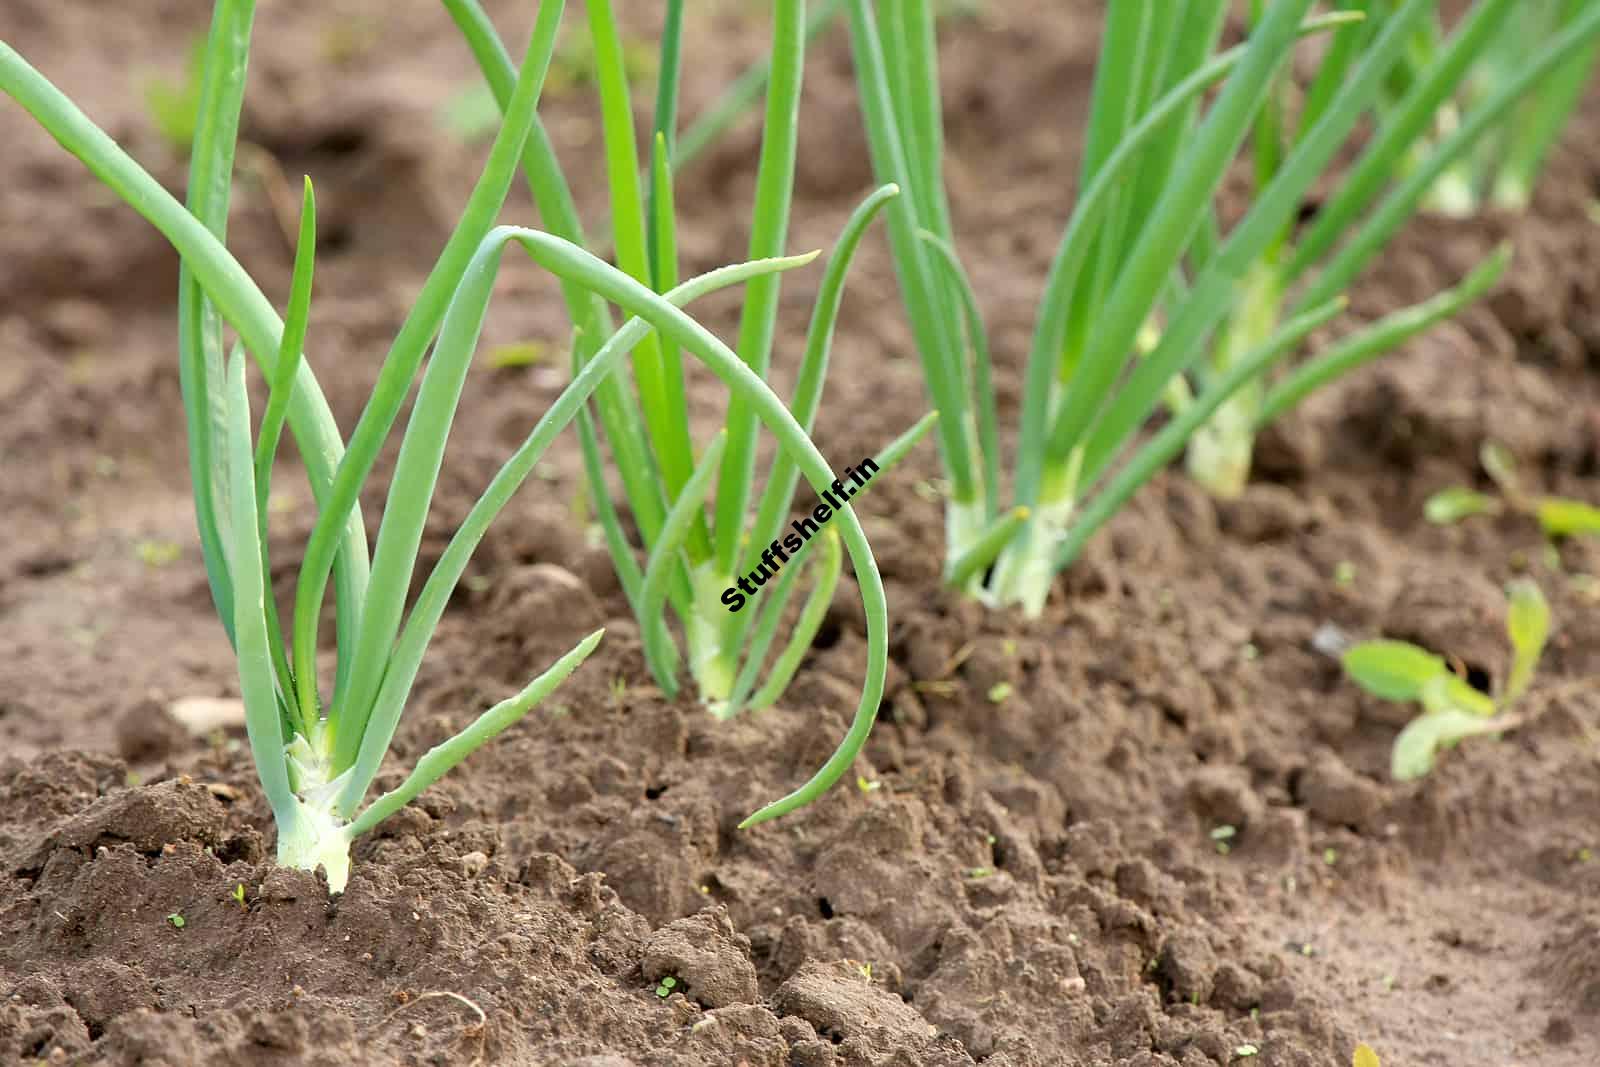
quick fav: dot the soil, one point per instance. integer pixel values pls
(1030, 880)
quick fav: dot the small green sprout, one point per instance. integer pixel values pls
(1000, 692)
(348, 39)
(1364, 1057)
(174, 106)
(157, 554)
(668, 984)
(867, 785)
(521, 354)
(1452, 709)
(1330, 856)
(978, 873)
(238, 894)
(1244, 1052)
(1557, 516)
(1344, 574)
(1450, 506)
(177, 920)
(1222, 838)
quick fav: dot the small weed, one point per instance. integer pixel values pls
(177, 920)
(521, 354)
(1453, 710)
(1557, 516)
(173, 107)
(158, 553)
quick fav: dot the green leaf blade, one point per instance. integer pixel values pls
(1393, 670)
(1528, 627)
(1419, 744)
(1450, 506)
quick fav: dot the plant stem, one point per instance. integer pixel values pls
(1219, 454)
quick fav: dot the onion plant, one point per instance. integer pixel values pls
(1504, 167)
(1144, 281)
(318, 758)
(696, 544)
(1300, 268)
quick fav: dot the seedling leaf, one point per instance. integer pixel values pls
(1449, 506)
(1567, 518)
(1528, 626)
(1448, 692)
(519, 354)
(1393, 670)
(1364, 1057)
(1419, 743)
(1502, 467)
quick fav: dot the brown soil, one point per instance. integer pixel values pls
(1032, 881)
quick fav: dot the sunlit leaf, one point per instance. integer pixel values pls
(1420, 742)
(1393, 670)
(1567, 518)
(1528, 626)
(1449, 506)
(1364, 1057)
(1501, 465)
(1449, 692)
(519, 354)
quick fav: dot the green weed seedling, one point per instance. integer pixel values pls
(1144, 283)
(1452, 709)
(697, 543)
(1557, 516)
(174, 106)
(318, 752)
